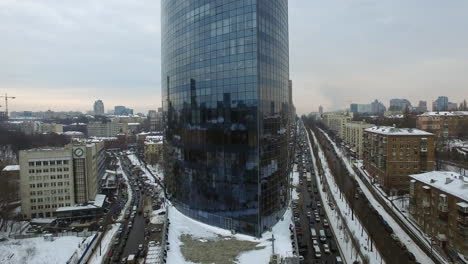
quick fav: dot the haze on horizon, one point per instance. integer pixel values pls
(63, 55)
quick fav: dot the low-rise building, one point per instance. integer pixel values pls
(392, 154)
(439, 205)
(104, 129)
(443, 124)
(354, 136)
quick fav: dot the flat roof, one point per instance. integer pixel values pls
(388, 130)
(97, 203)
(446, 181)
(445, 113)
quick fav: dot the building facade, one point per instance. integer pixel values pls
(443, 124)
(336, 122)
(392, 154)
(59, 177)
(354, 136)
(98, 107)
(439, 205)
(105, 129)
(225, 68)
(440, 104)
(10, 183)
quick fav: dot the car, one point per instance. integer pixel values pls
(315, 242)
(326, 248)
(317, 219)
(325, 223)
(309, 214)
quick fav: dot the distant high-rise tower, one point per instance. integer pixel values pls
(321, 110)
(441, 104)
(225, 79)
(98, 107)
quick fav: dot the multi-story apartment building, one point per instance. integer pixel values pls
(105, 129)
(439, 205)
(9, 183)
(443, 124)
(59, 177)
(153, 151)
(336, 122)
(354, 136)
(391, 154)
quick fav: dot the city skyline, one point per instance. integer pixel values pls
(366, 50)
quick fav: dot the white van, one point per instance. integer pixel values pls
(313, 233)
(323, 237)
(318, 254)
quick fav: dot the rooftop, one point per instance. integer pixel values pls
(454, 113)
(446, 181)
(12, 168)
(388, 130)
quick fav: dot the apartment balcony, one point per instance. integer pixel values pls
(462, 209)
(462, 230)
(443, 208)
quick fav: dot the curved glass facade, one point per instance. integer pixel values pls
(225, 72)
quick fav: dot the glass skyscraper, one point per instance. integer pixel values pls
(225, 76)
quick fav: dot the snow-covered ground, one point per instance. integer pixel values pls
(10, 228)
(181, 224)
(353, 224)
(156, 218)
(106, 243)
(404, 237)
(129, 192)
(39, 251)
(136, 161)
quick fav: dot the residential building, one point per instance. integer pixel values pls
(52, 128)
(336, 122)
(51, 178)
(98, 107)
(391, 154)
(354, 136)
(227, 119)
(441, 104)
(443, 124)
(155, 120)
(104, 129)
(153, 150)
(9, 183)
(439, 205)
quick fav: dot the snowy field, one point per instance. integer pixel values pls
(106, 243)
(39, 251)
(182, 225)
(402, 235)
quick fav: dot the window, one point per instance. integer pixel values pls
(59, 162)
(65, 169)
(38, 171)
(52, 162)
(31, 170)
(31, 164)
(38, 163)
(59, 169)
(45, 163)
(65, 162)
(52, 177)
(66, 176)
(39, 185)
(32, 186)
(59, 176)
(52, 169)
(31, 178)
(45, 170)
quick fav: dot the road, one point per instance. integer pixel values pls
(309, 198)
(381, 237)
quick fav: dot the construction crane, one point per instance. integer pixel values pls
(6, 102)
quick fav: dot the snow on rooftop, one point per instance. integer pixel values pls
(446, 181)
(445, 113)
(12, 168)
(97, 203)
(388, 130)
(463, 205)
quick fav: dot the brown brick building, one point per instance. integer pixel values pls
(391, 154)
(439, 205)
(443, 124)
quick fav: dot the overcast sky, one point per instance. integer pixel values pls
(63, 55)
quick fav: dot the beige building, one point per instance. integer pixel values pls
(153, 149)
(106, 129)
(439, 205)
(336, 122)
(58, 177)
(354, 136)
(52, 128)
(392, 154)
(46, 181)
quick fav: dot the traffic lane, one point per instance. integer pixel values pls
(137, 231)
(380, 237)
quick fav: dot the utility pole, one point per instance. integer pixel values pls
(6, 102)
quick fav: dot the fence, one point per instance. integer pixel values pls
(63, 234)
